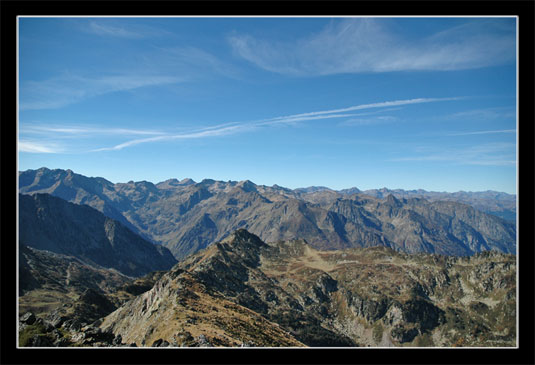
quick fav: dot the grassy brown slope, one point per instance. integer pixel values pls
(180, 311)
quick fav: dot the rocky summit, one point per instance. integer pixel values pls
(186, 216)
(242, 291)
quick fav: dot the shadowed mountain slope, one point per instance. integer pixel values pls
(50, 223)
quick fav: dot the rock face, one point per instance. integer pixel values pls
(186, 216)
(52, 224)
(244, 292)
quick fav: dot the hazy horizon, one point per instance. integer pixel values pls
(341, 102)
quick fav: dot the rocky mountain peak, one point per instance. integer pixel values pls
(312, 189)
(186, 181)
(247, 186)
(207, 182)
(350, 191)
(172, 183)
(169, 183)
(392, 200)
(241, 237)
(146, 185)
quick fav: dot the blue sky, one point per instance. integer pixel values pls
(340, 102)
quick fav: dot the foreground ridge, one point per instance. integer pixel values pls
(242, 291)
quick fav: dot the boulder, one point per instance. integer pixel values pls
(28, 318)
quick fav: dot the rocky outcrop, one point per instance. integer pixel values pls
(409, 319)
(42, 333)
(369, 309)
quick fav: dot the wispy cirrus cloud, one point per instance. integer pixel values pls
(85, 131)
(207, 132)
(484, 114)
(369, 121)
(222, 130)
(68, 89)
(160, 67)
(483, 132)
(359, 45)
(115, 27)
(193, 59)
(101, 28)
(488, 154)
(38, 147)
(233, 128)
(383, 104)
(62, 132)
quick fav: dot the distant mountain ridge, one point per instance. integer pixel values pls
(501, 204)
(186, 216)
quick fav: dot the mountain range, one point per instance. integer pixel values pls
(186, 216)
(493, 202)
(337, 270)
